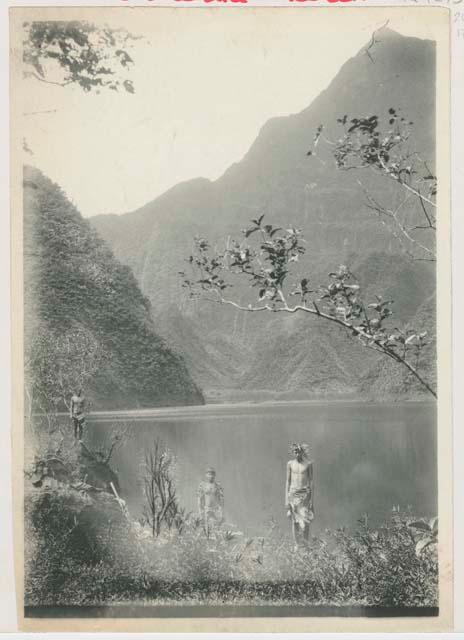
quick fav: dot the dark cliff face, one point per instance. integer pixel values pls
(277, 178)
(75, 287)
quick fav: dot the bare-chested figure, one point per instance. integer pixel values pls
(76, 411)
(299, 491)
(210, 501)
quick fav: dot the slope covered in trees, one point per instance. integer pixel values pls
(86, 320)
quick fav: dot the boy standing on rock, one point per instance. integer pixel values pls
(77, 415)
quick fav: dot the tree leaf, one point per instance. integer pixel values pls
(419, 524)
(433, 523)
(422, 545)
(248, 232)
(128, 86)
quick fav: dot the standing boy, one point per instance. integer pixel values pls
(299, 491)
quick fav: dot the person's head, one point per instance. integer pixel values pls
(210, 474)
(299, 451)
(79, 393)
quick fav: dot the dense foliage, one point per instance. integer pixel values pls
(367, 566)
(73, 521)
(86, 320)
(79, 53)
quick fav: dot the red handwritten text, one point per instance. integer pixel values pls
(251, 1)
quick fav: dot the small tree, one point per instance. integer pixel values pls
(159, 488)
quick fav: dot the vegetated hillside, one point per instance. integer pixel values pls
(83, 306)
(277, 178)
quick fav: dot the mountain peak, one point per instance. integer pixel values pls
(276, 177)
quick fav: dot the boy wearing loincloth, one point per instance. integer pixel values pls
(77, 414)
(299, 491)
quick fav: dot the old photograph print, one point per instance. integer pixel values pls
(229, 289)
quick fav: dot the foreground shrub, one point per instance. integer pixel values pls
(371, 567)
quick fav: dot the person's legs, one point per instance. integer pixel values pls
(206, 524)
(76, 427)
(81, 428)
(295, 532)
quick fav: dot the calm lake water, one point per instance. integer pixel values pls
(367, 457)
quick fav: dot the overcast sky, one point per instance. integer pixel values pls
(205, 80)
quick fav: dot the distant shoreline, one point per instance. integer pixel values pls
(214, 407)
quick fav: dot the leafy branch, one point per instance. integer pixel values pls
(364, 144)
(427, 534)
(265, 258)
(77, 52)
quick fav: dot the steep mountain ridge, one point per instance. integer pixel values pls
(277, 178)
(80, 299)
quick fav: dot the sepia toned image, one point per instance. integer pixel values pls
(232, 310)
